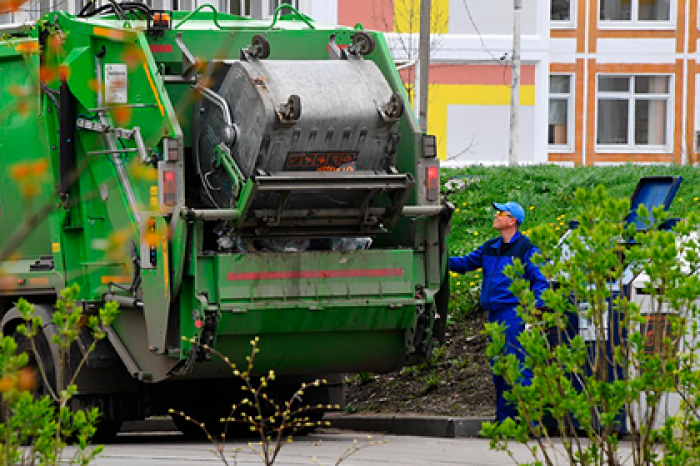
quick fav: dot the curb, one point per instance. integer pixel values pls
(423, 426)
(153, 424)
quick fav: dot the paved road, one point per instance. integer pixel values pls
(170, 449)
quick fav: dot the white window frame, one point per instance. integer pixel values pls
(634, 23)
(31, 10)
(565, 24)
(631, 98)
(268, 12)
(569, 146)
(242, 7)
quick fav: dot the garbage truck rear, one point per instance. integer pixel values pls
(221, 178)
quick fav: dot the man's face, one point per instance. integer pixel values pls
(503, 220)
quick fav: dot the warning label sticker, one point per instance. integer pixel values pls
(321, 161)
(116, 80)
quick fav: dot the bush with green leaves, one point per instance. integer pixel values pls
(589, 382)
(274, 424)
(547, 193)
(37, 427)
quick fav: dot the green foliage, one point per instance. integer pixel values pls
(432, 382)
(461, 362)
(579, 388)
(439, 355)
(275, 424)
(363, 378)
(437, 358)
(36, 428)
(547, 193)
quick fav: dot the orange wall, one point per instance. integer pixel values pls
(474, 74)
(373, 14)
(586, 142)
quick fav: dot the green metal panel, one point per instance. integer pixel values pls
(323, 277)
(350, 310)
(156, 290)
(305, 353)
(24, 150)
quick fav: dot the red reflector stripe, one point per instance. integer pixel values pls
(236, 276)
(340, 46)
(161, 48)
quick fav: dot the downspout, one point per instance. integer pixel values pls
(685, 154)
(586, 25)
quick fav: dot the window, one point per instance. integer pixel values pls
(633, 111)
(240, 7)
(560, 106)
(634, 11)
(561, 11)
(285, 11)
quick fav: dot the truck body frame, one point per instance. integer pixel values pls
(99, 134)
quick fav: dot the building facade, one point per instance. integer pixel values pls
(470, 73)
(622, 81)
(470, 53)
(603, 81)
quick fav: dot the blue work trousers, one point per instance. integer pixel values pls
(514, 327)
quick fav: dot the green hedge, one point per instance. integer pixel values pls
(546, 193)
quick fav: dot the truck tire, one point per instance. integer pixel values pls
(40, 351)
(23, 346)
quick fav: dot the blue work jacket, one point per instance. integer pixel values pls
(495, 290)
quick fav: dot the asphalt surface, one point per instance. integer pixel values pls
(429, 441)
(325, 447)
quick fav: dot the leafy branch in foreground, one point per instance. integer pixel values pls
(354, 448)
(274, 423)
(620, 336)
(38, 420)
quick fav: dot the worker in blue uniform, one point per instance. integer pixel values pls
(496, 298)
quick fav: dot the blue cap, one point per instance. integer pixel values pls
(514, 208)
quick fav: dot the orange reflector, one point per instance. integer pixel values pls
(39, 281)
(161, 18)
(116, 279)
(8, 282)
(433, 183)
(27, 47)
(109, 33)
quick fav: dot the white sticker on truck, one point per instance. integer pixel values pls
(116, 83)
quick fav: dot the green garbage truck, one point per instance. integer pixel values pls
(220, 178)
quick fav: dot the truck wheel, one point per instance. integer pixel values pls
(24, 345)
(260, 46)
(363, 43)
(39, 353)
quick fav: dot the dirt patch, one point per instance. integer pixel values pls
(456, 381)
